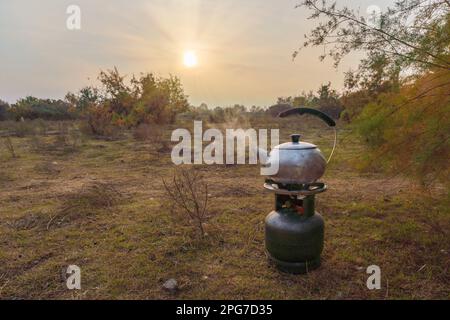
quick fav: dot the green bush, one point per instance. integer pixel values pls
(4, 110)
(47, 109)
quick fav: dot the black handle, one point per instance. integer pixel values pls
(310, 111)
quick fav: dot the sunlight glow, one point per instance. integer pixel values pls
(190, 59)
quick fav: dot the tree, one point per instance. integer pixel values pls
(400, 90)
(327, 100)
(408, 131)
(85, 98)
(414, 33)
(158, 100)
(117, 96)
(302, 100)
(146, 99)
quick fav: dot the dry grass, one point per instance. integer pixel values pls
(104, 210)
(83, 203)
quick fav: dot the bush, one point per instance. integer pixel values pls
(158, 100)
(144, 100)
(85, 98)
(354, 103)
(34, 108)
(4, 110)
(99, 123)
(407, 131)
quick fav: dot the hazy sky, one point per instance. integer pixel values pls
(244, 47)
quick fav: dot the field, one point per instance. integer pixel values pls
(101, 205)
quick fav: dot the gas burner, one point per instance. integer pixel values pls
(295, 189)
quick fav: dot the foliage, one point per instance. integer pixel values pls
(302, 100)
(408, 39)
(414, 33)
(159, 100)
(85, 98)
(147, 99)
(409, 130)
(34, 108)
(353, 104)
(281, 106)
(399, 93)
(99, 122)
(4, 110)
(326, 99)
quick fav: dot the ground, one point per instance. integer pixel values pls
(101, 205)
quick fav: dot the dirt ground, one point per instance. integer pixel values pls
(101, 205)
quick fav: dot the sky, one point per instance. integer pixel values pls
(243, 47)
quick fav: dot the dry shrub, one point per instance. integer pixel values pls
(10, 147)
(99, 124)
(95, 195)
(188, 192)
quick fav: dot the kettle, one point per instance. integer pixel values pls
(299, 162)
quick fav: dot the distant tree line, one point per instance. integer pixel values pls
(325, 99)
(148, 99)
(34, 108)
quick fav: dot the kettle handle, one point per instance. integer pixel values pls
(314, 112)
(327, 119)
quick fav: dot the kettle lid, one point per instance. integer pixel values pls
(296, 144)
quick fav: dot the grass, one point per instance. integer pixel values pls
(102, 207)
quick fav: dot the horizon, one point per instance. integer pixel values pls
(229, 57)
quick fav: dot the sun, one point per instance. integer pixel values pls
(190, 59)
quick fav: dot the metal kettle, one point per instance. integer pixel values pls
(299, 162)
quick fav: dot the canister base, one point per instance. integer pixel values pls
(296, 267)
